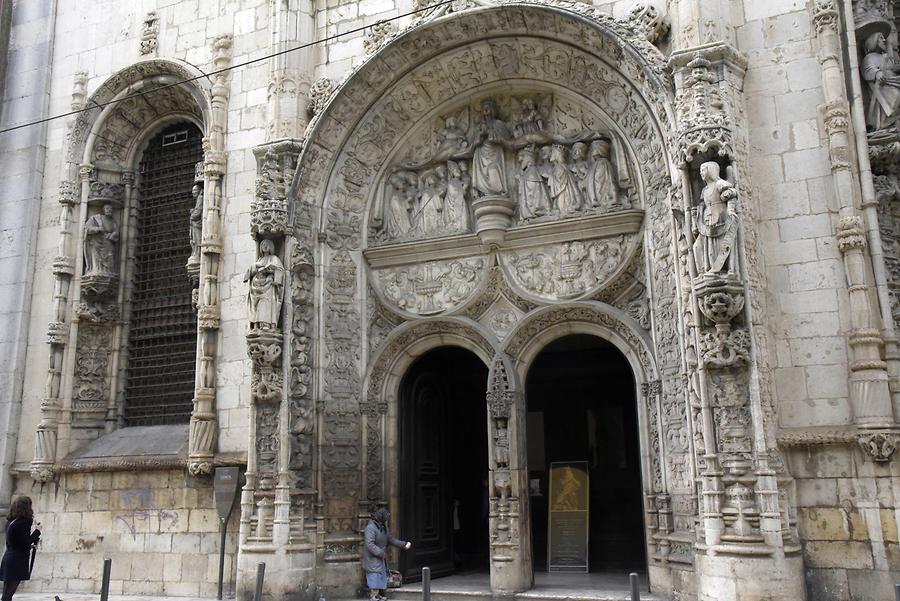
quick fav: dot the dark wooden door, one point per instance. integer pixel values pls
(425, 496)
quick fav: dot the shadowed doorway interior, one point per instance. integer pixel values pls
(443, 464)
(581, 407)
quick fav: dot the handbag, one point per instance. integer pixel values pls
(395, 579)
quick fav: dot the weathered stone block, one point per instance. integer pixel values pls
(823, 523)
(838, 554)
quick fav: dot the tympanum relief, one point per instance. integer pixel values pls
(432, 287)
(533, 156)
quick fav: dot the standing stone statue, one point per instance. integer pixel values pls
(266, 278)
(101, 234)
(196, 221)
(399, 205)
(563, 188)
(488, 167)
(601, 184)
(715, 221)
(533, 198)
(880, 72)
(456, 211)
(431, 201)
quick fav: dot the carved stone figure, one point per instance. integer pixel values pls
(399, 205)
(452, 138)
(488, 166)
(881, 73)
(456, 210)
(266, 279)
(101, 234)
(530, 120)
(564, 192)
(716, 224)
(196, 220)
(429, 217)
(534, 201)
(600, 186)
(580, 166)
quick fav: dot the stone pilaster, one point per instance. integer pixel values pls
(204, 427)
(742, 521)
(870, 395)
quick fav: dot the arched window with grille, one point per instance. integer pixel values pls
(162, 323)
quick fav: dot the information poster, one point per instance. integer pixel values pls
(568, 524)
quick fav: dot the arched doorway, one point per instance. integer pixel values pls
(582, 413)
(443, 463)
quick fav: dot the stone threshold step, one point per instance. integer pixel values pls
(414, 593)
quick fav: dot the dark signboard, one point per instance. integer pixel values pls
(226, 488)
(568, 525)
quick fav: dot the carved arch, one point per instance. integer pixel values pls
(543, 326)
(191, 98)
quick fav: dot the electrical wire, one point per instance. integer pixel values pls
(102, 105)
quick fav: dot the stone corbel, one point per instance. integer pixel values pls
(878, 446)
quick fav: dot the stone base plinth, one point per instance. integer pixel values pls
(742, 578)
(289, 576)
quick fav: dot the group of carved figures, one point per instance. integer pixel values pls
(551, 178)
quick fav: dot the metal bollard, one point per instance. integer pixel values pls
(260, 575)
(107, 572)
(426, 584)
(635, 587)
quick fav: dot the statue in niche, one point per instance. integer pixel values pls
(101, 234)
(266, 279)
(488, 166)
(564, 192)
(400, 203)
(534, 201)
(429, 217)
(601, 184)
(196, 223)
(715, 224)
(456, 211)
(880, 72)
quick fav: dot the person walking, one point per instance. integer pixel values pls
(19, 541)
(377, 539)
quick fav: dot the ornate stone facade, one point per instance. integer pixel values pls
(710, 191)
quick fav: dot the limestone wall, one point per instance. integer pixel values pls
(159, 528)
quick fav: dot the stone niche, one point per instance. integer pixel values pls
(535, 181)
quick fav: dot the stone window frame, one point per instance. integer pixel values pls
(103, 150)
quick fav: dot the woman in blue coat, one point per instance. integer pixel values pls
(19, 541)
(374, 559)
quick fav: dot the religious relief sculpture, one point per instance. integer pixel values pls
(101, 236)
(430, 288)
(715, 219)
(266, 278)
(717, 281)
(881, 74)
(196, 226)
(495, 163)
(568, 270)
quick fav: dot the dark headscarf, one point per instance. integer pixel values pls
(382, 516)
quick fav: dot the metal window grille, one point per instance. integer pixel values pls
(162, 340)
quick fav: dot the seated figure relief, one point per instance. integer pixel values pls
(880, 72)
(550, 164)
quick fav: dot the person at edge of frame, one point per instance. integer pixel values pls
(377, 539)
(20, 539)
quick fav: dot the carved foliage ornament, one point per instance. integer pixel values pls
(432, 287)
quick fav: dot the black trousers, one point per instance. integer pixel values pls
(9, 589)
